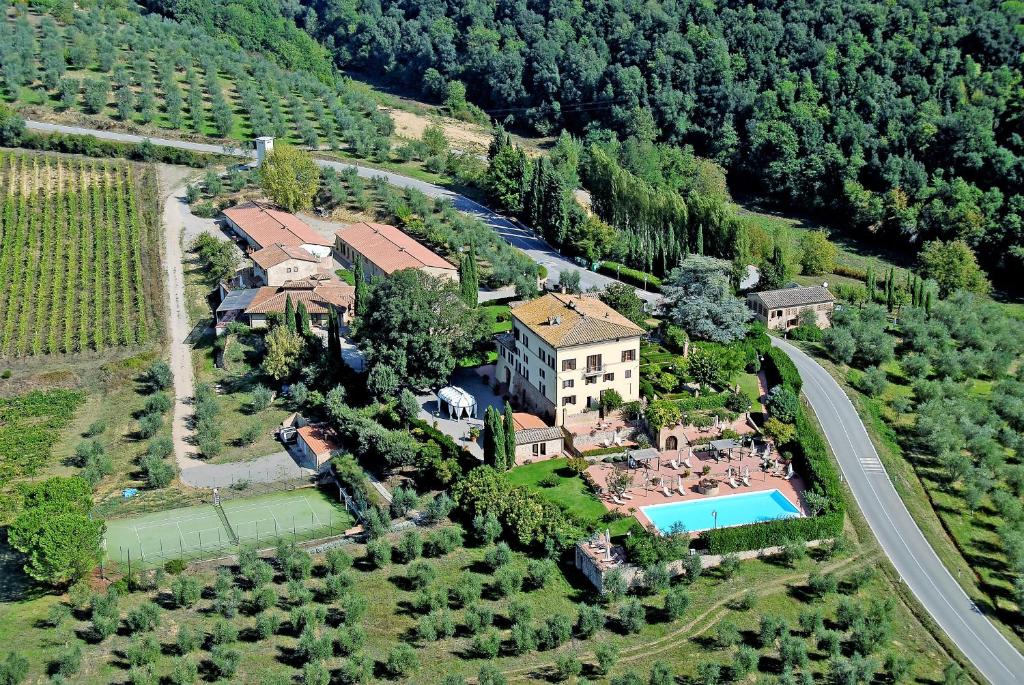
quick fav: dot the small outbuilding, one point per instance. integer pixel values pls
(317, 443)
(535, 440)
(781, 309)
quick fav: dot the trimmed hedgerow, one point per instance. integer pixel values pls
(631, 276)
(780, 369)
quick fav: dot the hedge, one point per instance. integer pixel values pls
(631, 276)
(780, 369)
(449, 448)
(92, 146)
(709, 401)
(811, 460)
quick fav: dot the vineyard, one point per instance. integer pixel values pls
(76, 238)
(143, 72)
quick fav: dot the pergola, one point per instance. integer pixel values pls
(727, 445)
(459, 402)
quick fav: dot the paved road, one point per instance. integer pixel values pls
(538, 250)
(896, 530)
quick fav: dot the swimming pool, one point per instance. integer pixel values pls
(732, 510)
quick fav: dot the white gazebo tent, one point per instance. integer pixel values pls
(459, 402)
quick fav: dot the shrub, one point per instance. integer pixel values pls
(260, 398)
(486, 528)
(477, 617)
(632, 616)
(567, 666)
(309, 616)
(498, 556)
(523, 638)
(438, 508)
(782, 403)
(349, 639)
(606, 654)
(143, 618)
(159, 376)
(771, 629)
(489, 675)
(821, 584)
(142, 651)
(224, 633)
(727, 635)
(873, 381)
(508, 581)
(14, 669)
(556, 631)
(175, 566)
(677, 601)
(729, 566)
(656, 578)
(429, 599)
(142, 675)
(467, 589)
(263, 598)
(314, 647)
(420, 574)
(661, 674)
(378, 552)
(250, 433)
(410, 546)
(520, 610)
(150, 424)
(337, 560)
(487, 644)
(267, 624)
(67, 663)
(189, 639)
(614, 586)
(315, 674)
(401, 661)
(97, 427)
(225, 661)
(184, 672)
(744, 662)
(539, 572)
(444, 541)
(403, 500)
(589, 620)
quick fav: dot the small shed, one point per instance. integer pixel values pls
(535, 440)
(317, 443)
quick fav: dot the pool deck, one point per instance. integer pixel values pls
(640, 495)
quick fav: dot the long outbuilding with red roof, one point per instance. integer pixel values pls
(385, 250)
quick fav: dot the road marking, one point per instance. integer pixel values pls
(939, 594)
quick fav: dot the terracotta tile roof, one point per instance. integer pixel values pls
(567, 320)
(532, 435)
(273, 255)
(320, 438)
(795, 297)
(316, 295)
(522, 420)
(269, 226)
(389, 248)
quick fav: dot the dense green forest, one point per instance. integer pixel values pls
(903, 120)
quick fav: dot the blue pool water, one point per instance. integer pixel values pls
(733, 510)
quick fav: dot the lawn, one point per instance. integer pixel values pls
(569, 491)
(752, 389)
(497, 317)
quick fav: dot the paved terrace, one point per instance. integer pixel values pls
(640, 495)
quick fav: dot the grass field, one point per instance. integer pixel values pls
(198, 530)
(76, 239)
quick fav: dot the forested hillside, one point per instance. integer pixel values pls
(904, 120)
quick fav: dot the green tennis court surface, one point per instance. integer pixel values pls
(197, 530)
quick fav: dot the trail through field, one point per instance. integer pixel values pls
(178, 330)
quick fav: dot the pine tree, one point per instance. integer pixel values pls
(469, 282)
(289, 314)
(510, 438)
(360, 282)
(302, 320)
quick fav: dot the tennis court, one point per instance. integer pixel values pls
(192, 532)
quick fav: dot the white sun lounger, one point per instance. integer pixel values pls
(732, 482)
(746, 480)
(674, 464)
(666, 491)
(617, 500)
(687, 464)
(681, 489)
(626, 495)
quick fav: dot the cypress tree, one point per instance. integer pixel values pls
(870, 277)
(920, 291)
(302, 319)
(928, 302)
(360, 282)
(333, 339)
(469, 281)
(289, 313)
(700, 239)
(510, 438)
(890, 290)
(494, 439)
